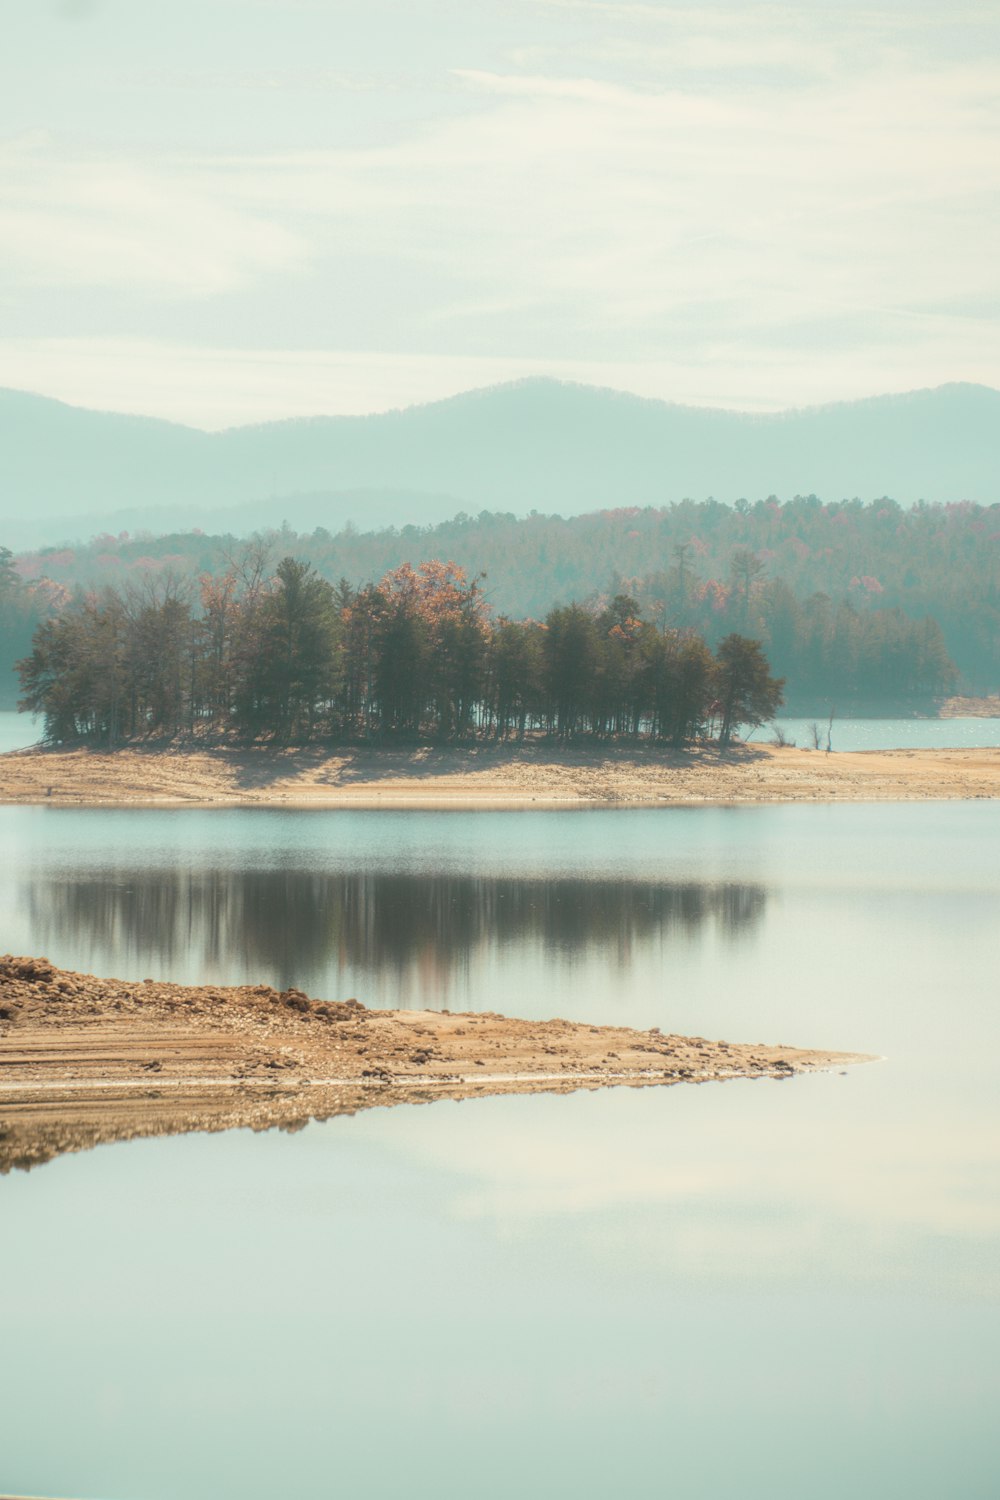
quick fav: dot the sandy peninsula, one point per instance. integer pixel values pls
(86, 1060)
(491, 776)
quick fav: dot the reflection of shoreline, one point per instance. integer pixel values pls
(294, 925)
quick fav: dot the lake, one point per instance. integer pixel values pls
(18, 731)
(886, 734)
(752, 1288)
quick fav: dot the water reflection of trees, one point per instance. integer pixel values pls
(295, 926)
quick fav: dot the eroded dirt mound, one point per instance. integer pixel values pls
(84, 1059)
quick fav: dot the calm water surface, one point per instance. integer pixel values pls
(750, 1289)
(887, 734)
(17, 731)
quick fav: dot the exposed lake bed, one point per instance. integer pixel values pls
(86, 1060)
(489, 775)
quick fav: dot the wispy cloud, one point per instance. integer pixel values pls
(778, 192)
(102, 222)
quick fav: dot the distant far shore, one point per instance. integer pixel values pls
(536, 774)
(961, 707)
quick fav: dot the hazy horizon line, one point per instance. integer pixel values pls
(494, 387)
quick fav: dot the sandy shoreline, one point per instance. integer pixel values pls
(491, 776)
(86, 1060)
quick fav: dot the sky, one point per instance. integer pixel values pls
(224, 211)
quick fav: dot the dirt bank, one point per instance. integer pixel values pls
(86, 1060)
(489, 776)
(970, 708)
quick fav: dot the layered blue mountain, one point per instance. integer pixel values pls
(66, 471)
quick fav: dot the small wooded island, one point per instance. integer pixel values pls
(86, 1060)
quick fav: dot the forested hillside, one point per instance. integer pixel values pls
(867, 603)
(23, 607)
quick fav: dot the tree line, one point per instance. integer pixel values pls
(288, 656)
(22, 608)
(843, 652)
(853, 602)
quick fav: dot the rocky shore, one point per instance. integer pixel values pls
(85, 1060)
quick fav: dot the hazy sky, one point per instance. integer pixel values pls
(223, 210)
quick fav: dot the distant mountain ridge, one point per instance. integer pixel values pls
(67, 471)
